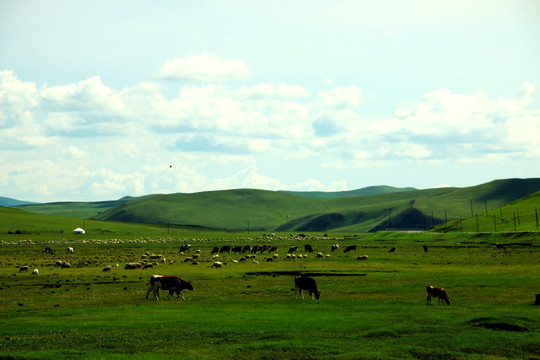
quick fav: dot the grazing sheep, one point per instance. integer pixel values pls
(35, 272)
(217, 264)
(362, 257)
(70, 250)
(66, 265)
(23, 268)
(320, 255)
(107, 268)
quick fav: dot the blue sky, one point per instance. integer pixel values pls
(102, 99)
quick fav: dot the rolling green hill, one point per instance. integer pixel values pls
(370, 190)
(270, 210)
(83, 210)
(5, 201)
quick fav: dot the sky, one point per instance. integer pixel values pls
(105, 99)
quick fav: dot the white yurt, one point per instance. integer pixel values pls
(79, 231)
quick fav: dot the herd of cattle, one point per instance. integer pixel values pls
(175, 285)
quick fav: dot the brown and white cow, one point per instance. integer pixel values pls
(305, 283)
(437, 292)
(171, 283)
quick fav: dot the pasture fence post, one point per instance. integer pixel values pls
(495, 222)
(477, 229)
(536, 213)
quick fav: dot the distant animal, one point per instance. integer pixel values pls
(500, 246)
(184, 248)
(217, 264)
(23, 268)
(335, 247)
(425, 248)
(66, 265)
(305, 283)
(48, 250)
(237, 249)
(350, 248)
(148, 266)
(70, 250)
(215, 250)
(292, 249)
(320, 255)
(163, 282)
(308, 248)
(35, 272)
(225, 248)
(246, 248)
(437, 292)
(362, 257)
(107, 268)
(393, 249)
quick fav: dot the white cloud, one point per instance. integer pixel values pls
(204, 68)
(90, 140)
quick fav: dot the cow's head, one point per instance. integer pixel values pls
(188, 285)
(317, 294)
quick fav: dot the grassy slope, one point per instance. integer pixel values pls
(31, 224)
(268, 210)
(370, 190)
(83, 210)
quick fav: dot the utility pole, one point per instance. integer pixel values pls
(495, 223)
(472, 212)
(477, 229)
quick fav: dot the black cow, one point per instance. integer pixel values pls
(224, 249)
(293, 249)
(48, 250)
(393, 249)
(184, 248)
(425, 248)
(350, 248)
(246, 248)
(308, 248)
(171, 283)
(215, 250)
(305, 283)
(237, 249)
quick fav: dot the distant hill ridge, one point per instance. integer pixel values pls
(282, 211)
(368, 209)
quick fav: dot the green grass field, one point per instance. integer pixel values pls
(371, 309)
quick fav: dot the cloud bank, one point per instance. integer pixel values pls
(87, 140)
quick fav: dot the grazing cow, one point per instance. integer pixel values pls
(107, 268)
(393, 249)
(147, 266)
(305, 283)
(308, 248)
(437, 292)
(217, 264)
(425, 248)
(292, 249)
(350, 248)
(273, 249)
(48, 250)
(335, 247)
(35, 272)
(184, 248)
(247, 248)
(237, 249)
(23, 268)
(70, 250)
(215, 250)
(171, 283)
(363, 257)
(225, 248)
(66, 265)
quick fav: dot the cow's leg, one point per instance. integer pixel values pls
(148, 292)
(302, 293)
(428, 299)
(156, 293)
(180, 295)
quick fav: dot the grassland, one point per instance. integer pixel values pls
(373, 309)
